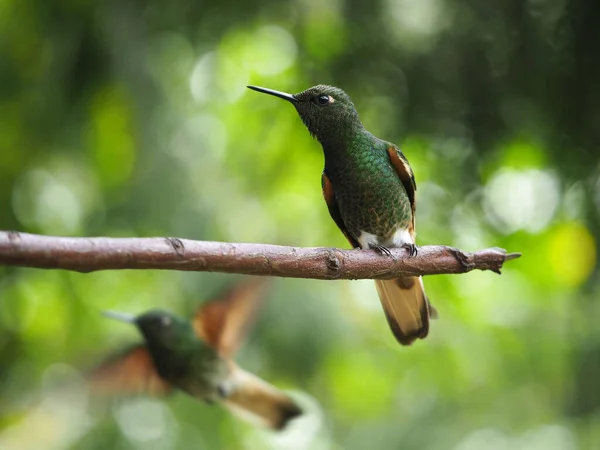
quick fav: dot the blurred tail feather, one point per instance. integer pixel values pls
(255, 398)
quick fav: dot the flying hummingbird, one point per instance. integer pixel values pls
(369, 188)
(196, 357)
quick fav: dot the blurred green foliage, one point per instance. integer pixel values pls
(132, 119)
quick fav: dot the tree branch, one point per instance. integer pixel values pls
(84, 254)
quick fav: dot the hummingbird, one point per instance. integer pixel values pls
(195, 356)
(369, 188)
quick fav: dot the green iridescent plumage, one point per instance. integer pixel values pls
(369, 189)
(181, 357)
(196, 357)
(369, 194)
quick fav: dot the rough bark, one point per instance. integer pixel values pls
(89, 254)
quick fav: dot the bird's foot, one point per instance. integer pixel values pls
(382, 250)
(412, 249)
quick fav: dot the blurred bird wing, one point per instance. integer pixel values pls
(224, 322)
(133, 372)
(405, 173)
(334, 211)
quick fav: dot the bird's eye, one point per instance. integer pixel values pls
(322, 100)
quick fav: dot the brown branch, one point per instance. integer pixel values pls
(83, 254)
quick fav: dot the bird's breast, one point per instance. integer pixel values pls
(371, 197)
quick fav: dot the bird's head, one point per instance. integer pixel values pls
(160, 328)
(325, 110)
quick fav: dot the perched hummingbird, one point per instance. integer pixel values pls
(369, 188)
(196, 357)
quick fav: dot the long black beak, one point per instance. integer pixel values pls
(283, 95)
(120, 316)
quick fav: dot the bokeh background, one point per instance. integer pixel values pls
(131, 118)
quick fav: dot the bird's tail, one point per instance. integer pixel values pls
(254, 398)
(406, 307)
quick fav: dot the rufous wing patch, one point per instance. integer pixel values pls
(405, 173)
(132, 372)
(224, 322)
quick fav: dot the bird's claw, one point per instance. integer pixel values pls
(382, 250)
(412, 249)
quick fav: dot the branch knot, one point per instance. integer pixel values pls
(333, 263)
(177, 246)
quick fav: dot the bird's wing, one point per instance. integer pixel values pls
(224, 321)
(404, 301)
(334, 211)
(405, 173)
(132, 372)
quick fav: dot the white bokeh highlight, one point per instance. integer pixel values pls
(521, 200)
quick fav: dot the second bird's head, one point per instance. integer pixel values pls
(325, 110)
(160, 328)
